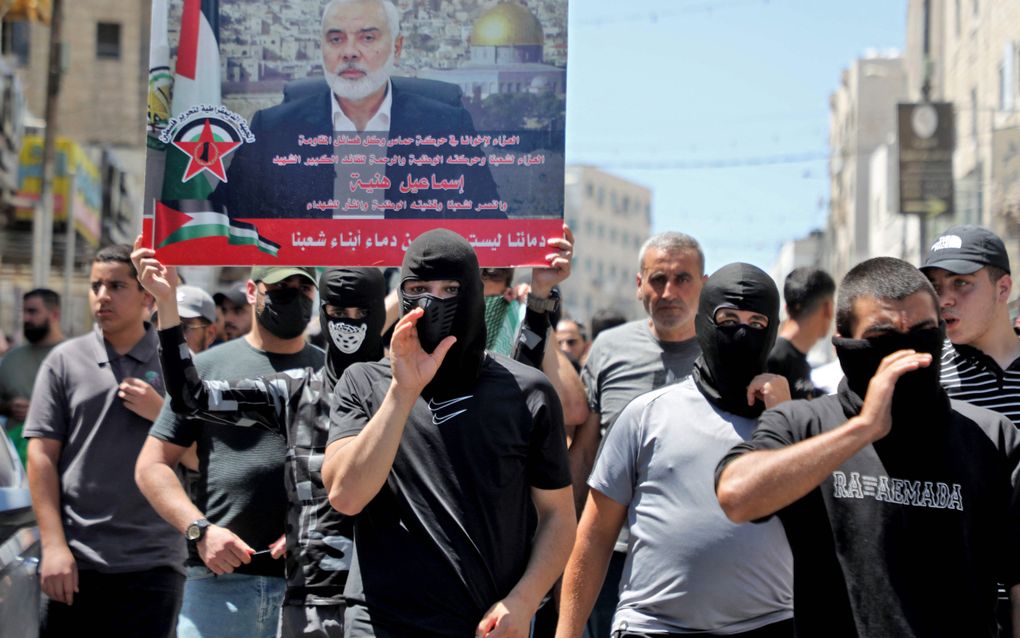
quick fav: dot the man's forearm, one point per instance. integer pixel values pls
(554, 539)
(355, 469)
(760, 483)
(44, 485)
(583, 445)
(157, 479)
(568, 386)
(586, 569)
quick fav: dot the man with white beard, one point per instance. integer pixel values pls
(343, 151)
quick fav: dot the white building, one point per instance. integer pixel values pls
(611, 217)
(862, 120)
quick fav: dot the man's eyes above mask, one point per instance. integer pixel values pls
(421, 289)
(756, 323)
(338, 312)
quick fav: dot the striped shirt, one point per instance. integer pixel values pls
(971, 375)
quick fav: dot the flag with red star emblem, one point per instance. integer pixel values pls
(206, 153)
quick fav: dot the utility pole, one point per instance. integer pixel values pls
(42, 223)
(925, 97)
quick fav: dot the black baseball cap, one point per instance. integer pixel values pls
(963, 250)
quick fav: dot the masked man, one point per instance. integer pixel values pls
(895, 499)
(688, 568)
(445, 454)
(240, 500)
(295, 404)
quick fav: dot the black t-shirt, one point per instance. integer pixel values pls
(910, 535)
(240, 482)
(295, 404)
(786, 360)
(450, 532)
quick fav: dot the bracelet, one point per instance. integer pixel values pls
(552, 304)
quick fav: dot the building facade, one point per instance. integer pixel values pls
(101, 118)
(974, 54)
(611, 218)
(862, 122)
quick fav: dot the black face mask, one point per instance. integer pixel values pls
(916, 391)
(35, 334)
(285, 312)
(731, 356)
(437, 322)
(352, 340)
(441, 254)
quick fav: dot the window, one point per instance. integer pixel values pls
(16, 40)
(973, 114)
(1007, 86)
(108, 40)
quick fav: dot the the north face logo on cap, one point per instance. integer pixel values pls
(947, 241)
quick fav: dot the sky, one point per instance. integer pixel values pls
(673, 93)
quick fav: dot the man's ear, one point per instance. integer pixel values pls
(830, 310)
(637, 290)
(398, 46)
(1004, 287)
(251, 292)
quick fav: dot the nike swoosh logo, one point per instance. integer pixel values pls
(435, 407)
(439, 420)
(442, 404)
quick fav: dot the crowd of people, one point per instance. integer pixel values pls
(462, 458)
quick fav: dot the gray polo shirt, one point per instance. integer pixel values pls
(110, 526)
(624, 363)
(688, 569)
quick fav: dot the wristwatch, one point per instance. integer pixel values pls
(552, 304)
(196, 530)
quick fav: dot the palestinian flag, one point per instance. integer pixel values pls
(211, 224)
(196, 82)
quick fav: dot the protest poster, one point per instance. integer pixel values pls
(430, 113)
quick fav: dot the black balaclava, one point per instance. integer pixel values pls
(443, 254)
(917, 392)
(352, 340)
(731, 356)
(285, 312)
